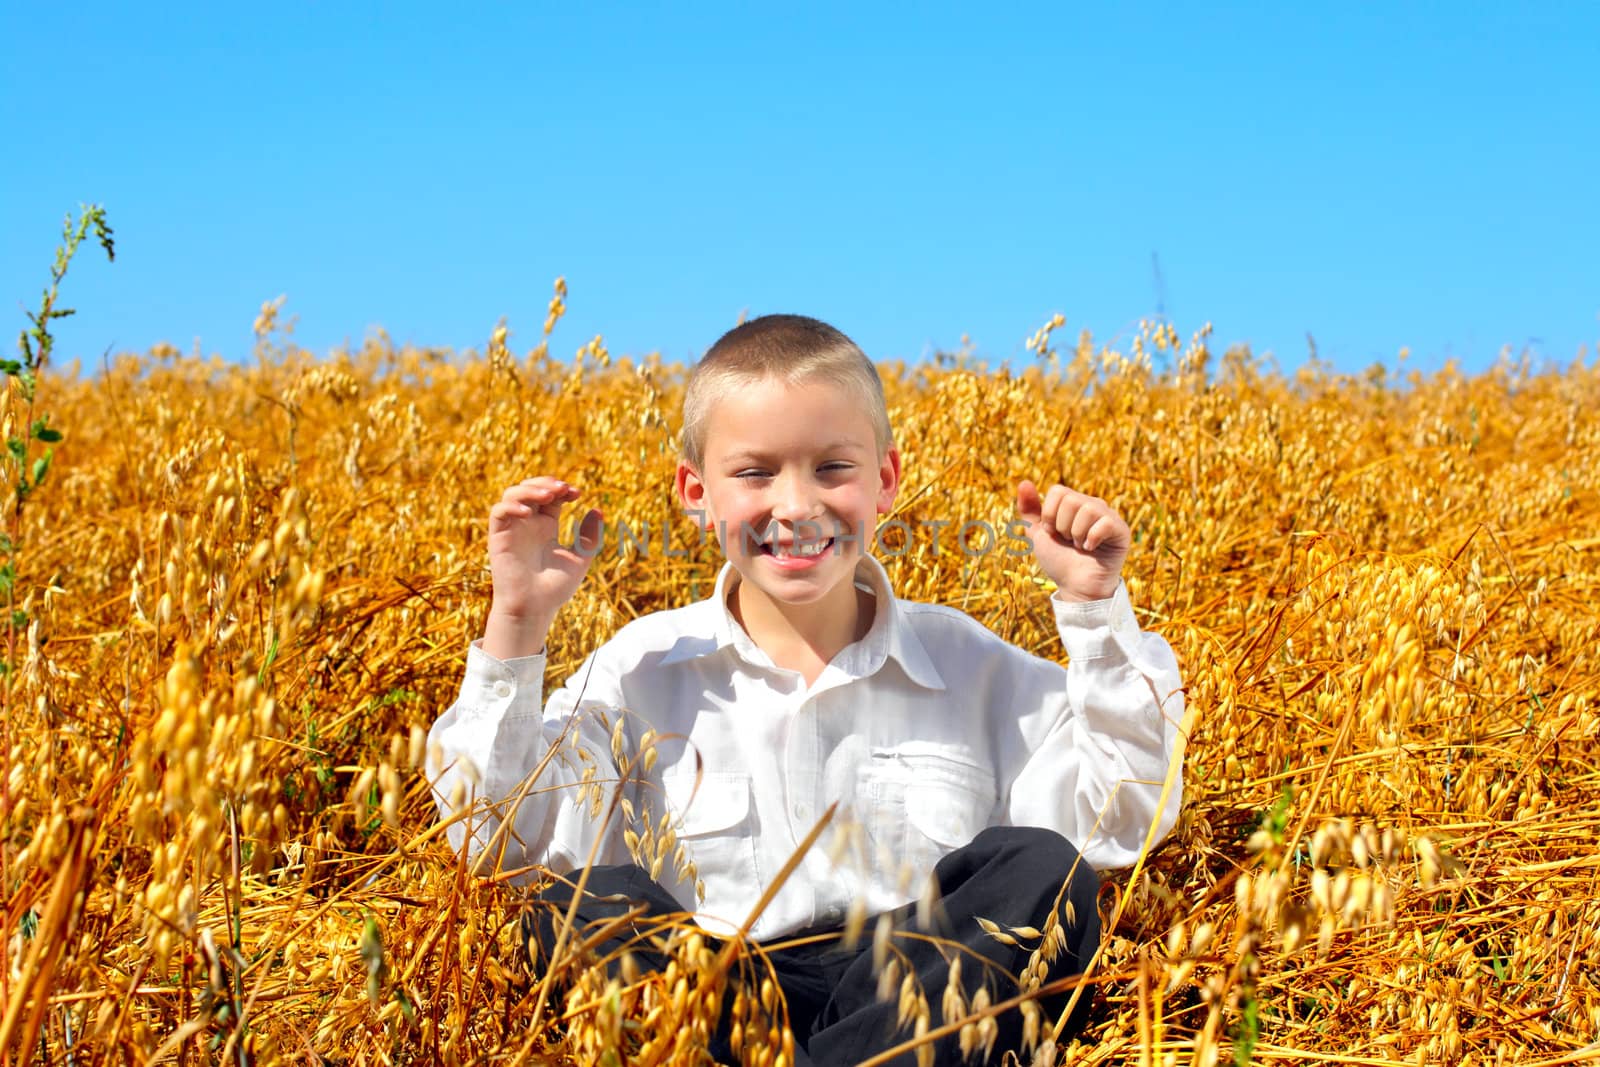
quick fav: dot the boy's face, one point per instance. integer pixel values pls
(792, 486)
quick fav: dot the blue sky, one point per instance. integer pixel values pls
(1376, 176)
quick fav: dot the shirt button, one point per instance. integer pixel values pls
(502, 690)
(802, 812)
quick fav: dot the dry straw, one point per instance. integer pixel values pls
(251, 588)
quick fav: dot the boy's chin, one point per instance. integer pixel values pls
(796, 585)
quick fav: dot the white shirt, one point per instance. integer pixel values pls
(927, 730)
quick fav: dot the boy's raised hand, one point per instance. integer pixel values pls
(533, 573)
(1079, 540)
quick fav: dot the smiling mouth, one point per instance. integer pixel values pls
(808, 550)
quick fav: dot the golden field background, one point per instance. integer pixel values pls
(251, 588)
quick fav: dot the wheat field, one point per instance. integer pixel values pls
(248, 589)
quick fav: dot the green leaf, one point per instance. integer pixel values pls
(1246, 1032)
(48, 435)
(102, 230)
(41, 466)
(372, 955)
(11, 366)
(18, 448)
(371, 944)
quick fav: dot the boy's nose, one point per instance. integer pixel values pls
(795, 499)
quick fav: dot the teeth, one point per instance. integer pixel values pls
(805, 550)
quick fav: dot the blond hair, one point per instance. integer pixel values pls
(787, 348)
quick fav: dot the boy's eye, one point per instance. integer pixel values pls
(835, 467)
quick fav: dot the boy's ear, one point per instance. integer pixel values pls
(692, 494)
(888, 480)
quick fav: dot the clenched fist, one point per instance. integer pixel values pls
(1078, 539)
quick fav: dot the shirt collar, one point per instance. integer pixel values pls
(891, 635)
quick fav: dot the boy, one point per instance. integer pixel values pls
(802, 682)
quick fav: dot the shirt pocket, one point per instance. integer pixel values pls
(714, 824)
(929, 800)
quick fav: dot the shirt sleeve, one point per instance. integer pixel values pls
(1099, 771)
(520, 784)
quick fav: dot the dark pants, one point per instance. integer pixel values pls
(1008, 875)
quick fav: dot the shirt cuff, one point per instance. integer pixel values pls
(509, 685)
(1095, 629)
